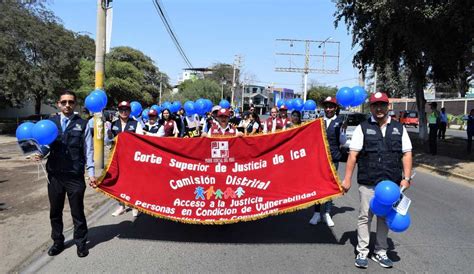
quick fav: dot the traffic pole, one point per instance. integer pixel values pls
(99, 82)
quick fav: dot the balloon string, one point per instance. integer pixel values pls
(44, 171)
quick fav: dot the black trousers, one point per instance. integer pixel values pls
(442, 130)
(432, 139)
(469, 142)
(74, 187)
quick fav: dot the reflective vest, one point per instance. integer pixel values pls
(381, 157)
(270, 121)
(333, 132)
(168, 127)
(67, 154)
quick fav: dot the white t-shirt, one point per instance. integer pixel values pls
(357, 141)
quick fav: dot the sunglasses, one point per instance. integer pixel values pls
(65, 102)
(123, 109)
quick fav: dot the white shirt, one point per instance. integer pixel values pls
(357, 141)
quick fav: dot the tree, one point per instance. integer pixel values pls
(129, 75)
(222, 72)
(318, 93)
(430, 38)
(195, 89)
(38, 56)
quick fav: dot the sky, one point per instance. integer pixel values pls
(214, 31)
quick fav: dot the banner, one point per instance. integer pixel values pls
(222, 180)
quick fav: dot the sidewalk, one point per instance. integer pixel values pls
(451, 160)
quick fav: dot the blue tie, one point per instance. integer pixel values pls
(64, 123)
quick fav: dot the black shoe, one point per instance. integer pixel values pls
(55, 249)
(82, 251)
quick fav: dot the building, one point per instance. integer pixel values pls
(282, 93)
(194, 74)
(256, 96)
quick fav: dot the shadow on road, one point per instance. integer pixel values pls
(287, 228)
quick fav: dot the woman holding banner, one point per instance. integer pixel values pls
(124, 123)
(336, 138)
(151, 127)
(223, 128)
(254, 124)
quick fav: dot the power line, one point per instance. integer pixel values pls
(161, 11)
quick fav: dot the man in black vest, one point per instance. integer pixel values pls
(124, 123)
(382, 148)
(68, 155)
(336, 138)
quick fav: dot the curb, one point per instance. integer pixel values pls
(453, 174)
(40, 258)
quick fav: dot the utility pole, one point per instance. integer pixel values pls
(100, 44)
(321, 57)
(236, 66)
(161, 86)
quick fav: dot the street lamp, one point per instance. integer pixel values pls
(223, 82)
(327, 39)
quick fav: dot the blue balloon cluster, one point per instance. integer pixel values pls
(351, 97)
(224, 103)
(44, 132)
(96, 100)
(386, 194)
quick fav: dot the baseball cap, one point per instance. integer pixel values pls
(215, 108)
(283, 107)
(378, 97)
(152, 112)
(223, 112)
(330, 100)
(124, 104)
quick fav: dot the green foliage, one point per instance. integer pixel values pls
(319, 93)
(430, 38)
(193, 90)
(38, 56)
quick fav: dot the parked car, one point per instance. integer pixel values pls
(352, 119)
(409, 118)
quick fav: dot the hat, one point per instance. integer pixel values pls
(433, 104)
(215, 108)
(283, 107)
(124, 104)
(378, 97)
(223, 112)
(152, 112)
(330, 100)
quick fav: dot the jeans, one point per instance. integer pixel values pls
(442, 130)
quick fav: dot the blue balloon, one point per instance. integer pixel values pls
(378, 208)
(289, 104)
(145, 114)
(189, 108)
(387, 192)
(136, 109)
(45, 132)
(280, 102)
(94, 103)
(359, 96)
(200, 106)
(176, 105)
(209, 105)
(166, 105)
(25, 131)
(224, 103)
(397, 222)
(345, 96)
(100, 93)
(298, 104)
(310, 105)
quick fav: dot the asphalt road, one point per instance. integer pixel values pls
(439, 240)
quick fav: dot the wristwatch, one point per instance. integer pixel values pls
(408, 179)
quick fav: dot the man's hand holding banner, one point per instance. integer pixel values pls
(222, 180)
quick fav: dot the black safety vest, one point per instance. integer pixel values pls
(380, 158)
(67, 154)
(333, 132)
(151, 129)
(131, 126)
